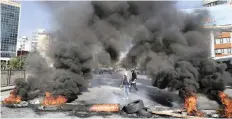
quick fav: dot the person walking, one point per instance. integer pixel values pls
(126, 86)
(133, 80)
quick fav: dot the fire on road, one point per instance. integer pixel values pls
(112, 94)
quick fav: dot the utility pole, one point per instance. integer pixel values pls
(21, 55)
(21, 58)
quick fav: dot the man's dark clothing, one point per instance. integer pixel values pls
(134, 86)
(133, 80)
(134, 76)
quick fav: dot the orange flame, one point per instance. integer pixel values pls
(227, 101)
(190, 105)
(13, 98)
(105, 108)
(51, 100)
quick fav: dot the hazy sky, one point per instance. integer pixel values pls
(34, 15)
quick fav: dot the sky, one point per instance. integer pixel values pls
(34, 15)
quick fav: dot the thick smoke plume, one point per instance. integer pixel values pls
(174, 49)
(169, 44)
(37, 78)
(79, 28)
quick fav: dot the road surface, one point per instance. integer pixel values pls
(105, 89)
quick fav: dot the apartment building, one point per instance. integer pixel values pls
(223, 44)
(23, 44)
(210, 3)
(219, 23)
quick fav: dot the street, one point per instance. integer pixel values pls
(106, 89)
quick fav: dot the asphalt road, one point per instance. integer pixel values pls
(106, 89)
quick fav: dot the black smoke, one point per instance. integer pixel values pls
(78, 28)
(37, 77)
(170, 44)
(174, 50)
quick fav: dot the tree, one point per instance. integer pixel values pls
(17, 62)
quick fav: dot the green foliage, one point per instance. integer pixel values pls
(17, 62)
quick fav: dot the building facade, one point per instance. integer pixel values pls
(24, 44)
(219, 23)
(10, 17)
(223, 44)
(43, 42)
(40, 41)
(36, 37)
(210, 3)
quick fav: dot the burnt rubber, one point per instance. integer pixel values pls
(144, 112)
(134, 106)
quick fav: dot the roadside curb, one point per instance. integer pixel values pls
(7, 88)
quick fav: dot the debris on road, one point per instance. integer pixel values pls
(87, 108)
(21, 104)
(134, 106)
(144, 112)
(135, 109)
(173, 114)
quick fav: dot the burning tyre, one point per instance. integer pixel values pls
(134, 107)
(144, 112)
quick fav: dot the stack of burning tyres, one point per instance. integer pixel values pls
(137, 106)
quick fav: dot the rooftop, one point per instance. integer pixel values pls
(11, 2)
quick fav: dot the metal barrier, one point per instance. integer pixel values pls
(8, 76)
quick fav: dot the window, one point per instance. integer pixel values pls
(229, 50)
(222, 50)
(228, 40)
(218, 51)
(217, 41)
(221, 41)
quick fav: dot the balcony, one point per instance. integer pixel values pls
(224, 35)
(222, 55)
(222, 46)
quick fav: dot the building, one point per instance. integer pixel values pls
(40, 41)
(210, 3)
(223, 43)
(24, 44)
(10, 17)
(220, 25)
(34, 40)
(43, 42)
